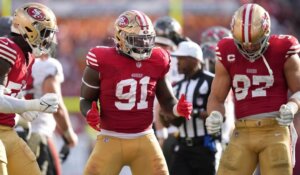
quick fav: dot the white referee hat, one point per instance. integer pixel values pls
(189, 48)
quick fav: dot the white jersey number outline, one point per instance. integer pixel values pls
(242, 92)
(131, 94)
(14, 86)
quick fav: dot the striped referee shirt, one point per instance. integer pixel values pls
(197, 89)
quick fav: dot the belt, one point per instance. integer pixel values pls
(253, 123)
(5, 127)
(188, 141)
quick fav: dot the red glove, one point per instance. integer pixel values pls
(93, 117)
(184, 108)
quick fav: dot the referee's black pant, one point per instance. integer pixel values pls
(192, 158)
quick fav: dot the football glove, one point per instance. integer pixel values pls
(183, 108)
(48, 103)
(93, 117)
(214, 123)
(286, 113)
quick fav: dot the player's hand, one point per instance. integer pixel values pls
(183, 108)
(29, 115)
(93, 117)
(70, 137)
(287, 113)
(48, 103)
(214, 123)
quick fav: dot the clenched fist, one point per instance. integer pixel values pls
(93, 117)
(49, 103)
(214, 122)
(183, 108)
(286, 113)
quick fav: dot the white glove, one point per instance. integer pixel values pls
(286, 113)
(29, 115)
(48, 103)
(214, 122)
(4, 90)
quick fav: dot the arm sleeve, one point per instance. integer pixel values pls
(10, 105)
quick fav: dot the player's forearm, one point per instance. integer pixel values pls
(156, 110)
(62, 118)
(85, 106)
(215, 105)
(167, 107)
(10, 104)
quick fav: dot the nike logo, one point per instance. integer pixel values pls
(42, 103)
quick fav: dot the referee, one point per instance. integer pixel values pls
(195, 152)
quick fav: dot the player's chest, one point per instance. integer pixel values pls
(19, 71)
(130, 70)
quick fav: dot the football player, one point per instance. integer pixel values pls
(33, 27)
(125, 80)
(168, 35)
(47, 75)
(210, 38)
(261, 69)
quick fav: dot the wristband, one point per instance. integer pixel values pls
(175, 112)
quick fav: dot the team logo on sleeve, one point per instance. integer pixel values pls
(36, 13)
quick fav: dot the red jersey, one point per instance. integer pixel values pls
(17, 76)
(127, 87)
(255, 89)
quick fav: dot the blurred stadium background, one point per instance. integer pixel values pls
(86, 23)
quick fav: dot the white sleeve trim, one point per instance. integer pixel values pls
(90, 86)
